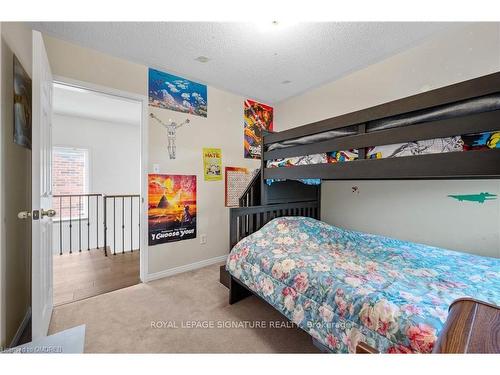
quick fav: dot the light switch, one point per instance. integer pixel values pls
(203, 239)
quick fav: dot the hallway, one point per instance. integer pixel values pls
(86, 274)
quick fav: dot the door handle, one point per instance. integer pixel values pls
(23, 215)
(49, 213)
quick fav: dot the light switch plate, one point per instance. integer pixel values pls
(203, 239)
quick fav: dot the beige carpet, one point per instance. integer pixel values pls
(120, 321)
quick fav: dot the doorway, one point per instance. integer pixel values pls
(96, 187)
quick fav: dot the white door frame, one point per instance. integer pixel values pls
(143, 99)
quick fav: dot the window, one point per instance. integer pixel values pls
(70, 180)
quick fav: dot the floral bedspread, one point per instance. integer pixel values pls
(343, 286)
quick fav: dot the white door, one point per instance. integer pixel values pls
(41, 190)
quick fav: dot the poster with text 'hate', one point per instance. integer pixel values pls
(171, 208)
(212, 164)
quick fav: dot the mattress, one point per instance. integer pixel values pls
(343, 287)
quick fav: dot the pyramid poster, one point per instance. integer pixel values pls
(171, 208)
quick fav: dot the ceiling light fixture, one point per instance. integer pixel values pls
(202, 59)
(273, 26)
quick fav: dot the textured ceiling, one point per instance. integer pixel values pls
(251, 59)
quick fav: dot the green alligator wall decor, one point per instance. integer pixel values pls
(479, 198)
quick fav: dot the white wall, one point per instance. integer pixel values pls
(114, 168)
(418, 211)
(222, 128)
(114, 151)
(15, 192)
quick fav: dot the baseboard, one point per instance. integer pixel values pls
(20, 329)
(185, 268)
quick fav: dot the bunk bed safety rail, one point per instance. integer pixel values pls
(473, 88)
(467, 108)
(476, 123)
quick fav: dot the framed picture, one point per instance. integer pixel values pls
(22, 106)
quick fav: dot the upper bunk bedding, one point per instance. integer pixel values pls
(467, 142)
(343, 286)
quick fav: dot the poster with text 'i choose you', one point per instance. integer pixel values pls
(171, 208)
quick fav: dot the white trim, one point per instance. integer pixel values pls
(144, 259)
(3, 319)
(21, 328)
(185, 268)
(144, 267)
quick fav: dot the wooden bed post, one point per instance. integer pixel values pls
(236, 291)
(263, 186)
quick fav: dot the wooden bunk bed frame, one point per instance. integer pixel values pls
(292, 198)
(452, 165)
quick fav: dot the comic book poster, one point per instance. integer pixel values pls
(177, 93)
(258, 117)
(212, 164)
(171, 208)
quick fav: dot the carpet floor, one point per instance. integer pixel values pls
(185, 313)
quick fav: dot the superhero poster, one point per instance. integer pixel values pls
(171, 208)
(258, 117)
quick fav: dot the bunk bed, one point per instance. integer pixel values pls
(447, 133)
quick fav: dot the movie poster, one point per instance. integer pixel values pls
(177, 93)
(258, 117)
(212, 164)
(171, 208)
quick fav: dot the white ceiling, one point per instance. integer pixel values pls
(73, 101)
(251, 59)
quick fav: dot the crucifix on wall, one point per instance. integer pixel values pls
(171, 127)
